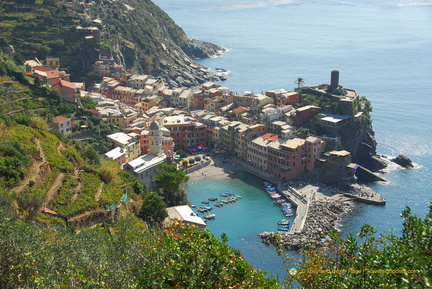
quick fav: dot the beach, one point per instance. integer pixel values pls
(218, 168)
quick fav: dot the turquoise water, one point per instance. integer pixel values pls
(382, 48)
(244, 219)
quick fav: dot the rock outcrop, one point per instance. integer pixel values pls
(202, 49)
(403, 161)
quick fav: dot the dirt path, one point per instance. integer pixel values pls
(33, 172)
(97, 195)
(53, 191)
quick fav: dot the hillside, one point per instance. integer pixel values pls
(135, 33)
(51, 188)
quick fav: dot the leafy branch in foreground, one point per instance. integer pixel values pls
(369, 262)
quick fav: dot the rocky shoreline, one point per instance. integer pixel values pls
(322, 218)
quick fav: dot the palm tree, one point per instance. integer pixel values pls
(299, 81)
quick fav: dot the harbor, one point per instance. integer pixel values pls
(316, 208)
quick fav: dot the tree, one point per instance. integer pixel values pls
(153, 208)
(369, 262)
(168, 183)
(299, 81)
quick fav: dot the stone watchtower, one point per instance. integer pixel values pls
(334, 81)
(155, 139)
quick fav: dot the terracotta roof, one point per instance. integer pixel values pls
(59, 83)
(65, 83)
(58, 119)
(240, 110)
(270, 136)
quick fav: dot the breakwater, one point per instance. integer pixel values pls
(321, 219)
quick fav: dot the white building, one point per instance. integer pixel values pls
(144, 168)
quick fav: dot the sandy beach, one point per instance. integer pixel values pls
(218, 168)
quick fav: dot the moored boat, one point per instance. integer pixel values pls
(209, 216)
(283, 222)
(212, 199)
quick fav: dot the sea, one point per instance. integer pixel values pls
(382, 49)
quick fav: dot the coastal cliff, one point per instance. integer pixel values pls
(358, 137)
(134, 33)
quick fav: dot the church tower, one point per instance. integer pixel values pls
(155, 139)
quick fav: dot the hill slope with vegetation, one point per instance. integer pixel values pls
(51, 188)
(136, 33)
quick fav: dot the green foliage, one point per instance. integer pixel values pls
(197, 158)
(369, 262)
(33, 256)
(54, 153)
(13, 160)
(169, 182)
(91, 155)
(111, 193)
(65, 194)
(29, 203)
(65, 203)
(184, 162)
(109, 171)
(153, 209)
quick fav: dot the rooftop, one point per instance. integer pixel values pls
(59, 119)
(184, 213)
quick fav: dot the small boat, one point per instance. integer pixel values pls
(283, 229)
(274, 195)
(208, 208)
(223, 194)
(283, 222)
(202, 210)
(289, 214)
(279, 201)
(212, 199)
(205, 202)
(193, 206)
(209, 216)
(218, 204)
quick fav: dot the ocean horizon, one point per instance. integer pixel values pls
(382, 49)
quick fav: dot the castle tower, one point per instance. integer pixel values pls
(155, 139)
(334, 82)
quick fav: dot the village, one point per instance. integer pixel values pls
(263, 130)
(266, 133)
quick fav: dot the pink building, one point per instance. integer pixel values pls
(289, 159)
(67, 89)
(257, 150)
(315, 147)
